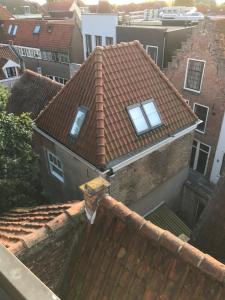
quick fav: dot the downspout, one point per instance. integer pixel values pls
(164, 46)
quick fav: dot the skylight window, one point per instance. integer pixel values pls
(36, 29)
(78, 121)
(144, 116)
(14, 30)
(9, 29)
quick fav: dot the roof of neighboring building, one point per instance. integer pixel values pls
(60, 6)
(209, 234)
(110, 80)
(58, 38)
(31, 93)
(22, 225)
(5, 14)
(6, 53)
(123, 256)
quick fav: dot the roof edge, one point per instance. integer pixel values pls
(99, 102)
(68, 217)
(204, 262)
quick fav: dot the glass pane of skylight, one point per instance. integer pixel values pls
(152, 114)
(78, 122)
(10, 28)
(138, 119)
(36, 29)
(15, 30)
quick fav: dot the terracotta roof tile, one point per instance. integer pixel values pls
(59, 6)
(31, 93)
(112, 78)
(5, 14)
(59, 38)
(23, 227)
(123, 256)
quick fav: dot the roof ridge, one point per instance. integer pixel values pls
(206, 263)
(163, 76)
(99, 102)
(41, 234)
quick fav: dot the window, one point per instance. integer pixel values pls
(108, 40)
(144, 116)
(55, 166)
(13, 32)
(153, 52)
(98, 40)
(194, 75)
(78, 121)
(9, 29)
(202, 113)
(199, 157)
(57, 78)
(36, 29)
(11, 72)
(88, 44)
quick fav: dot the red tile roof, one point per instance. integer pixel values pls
(31, 93)
(123, 256)
(21, 226)
(60, 6)
(112, 78)
(5, 14)
(60, 37)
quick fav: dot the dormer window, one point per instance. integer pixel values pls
(36, 29)
(144, 116)
(78, 121)
(12, 29)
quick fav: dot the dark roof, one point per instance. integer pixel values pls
(112, 78)
(123, 256)
(31, 93)
(59, 38)
(6, 53)
(26, 224)
(60, 6)
(209, 234)
(5, 14)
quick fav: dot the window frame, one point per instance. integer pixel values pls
(39, 28)
(89, 47)
(107, 38)
(152, 46)
(99, 39)
(206, 119)
(50, 164)
(8, 71)
(150, 127)
(186, 75)
(14, 30)
(85, 111)
(198, 149)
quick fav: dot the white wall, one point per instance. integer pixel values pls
(220, 151)
(103, 25)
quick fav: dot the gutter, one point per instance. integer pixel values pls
(74, 155)
(154, 147)
(126, 162)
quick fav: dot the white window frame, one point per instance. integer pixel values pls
(197, 155)
(57, 79)
(35, 27)
(51, 164)
(10, 28)
(96, 38)
(84, 110)
(185, 80)
(157, 55)
(202, 132)
(109, 37)
(14, 30)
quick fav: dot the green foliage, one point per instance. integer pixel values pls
(19, 167)
(184, 2)
(4, 94)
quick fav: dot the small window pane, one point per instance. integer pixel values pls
(201, 112)
(78, 122)
(194, 75)
(36, 29)
(138, 119)
(152, 114)
(108, 40)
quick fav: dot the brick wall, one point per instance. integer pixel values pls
(202, 45)
(145, 175)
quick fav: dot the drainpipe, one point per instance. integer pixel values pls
(164, 45)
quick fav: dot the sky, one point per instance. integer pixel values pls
(116, 1)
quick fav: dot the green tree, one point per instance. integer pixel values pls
(184, 3)
(19, 166)
(3, 98)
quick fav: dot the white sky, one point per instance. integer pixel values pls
(116, 1)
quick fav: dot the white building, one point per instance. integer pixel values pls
(98, 30)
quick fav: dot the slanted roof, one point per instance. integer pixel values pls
(31, 93)
(60, 6)
(6, 54)
(123, 256)
(5, 14)
(22, 225)
(111, 79)
(58, 38)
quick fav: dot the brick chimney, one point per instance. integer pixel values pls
(93, 192)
